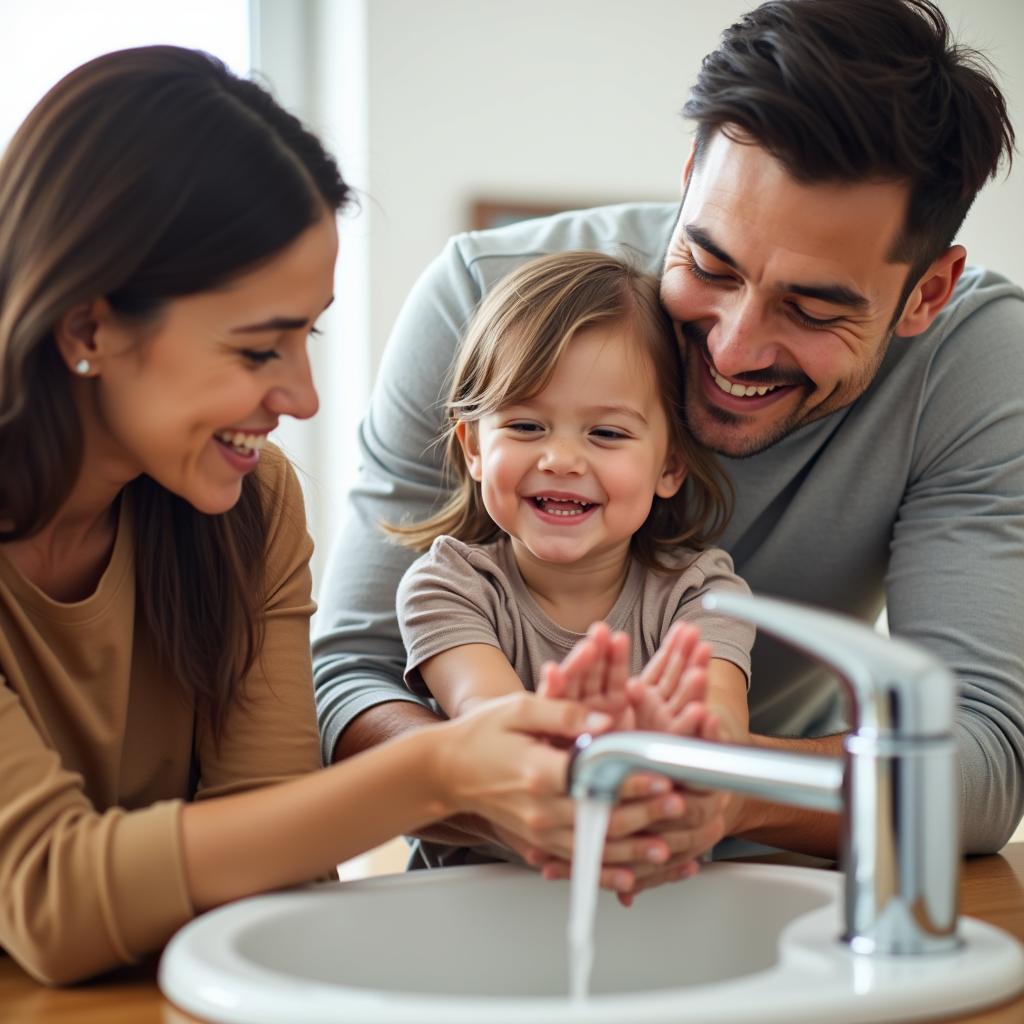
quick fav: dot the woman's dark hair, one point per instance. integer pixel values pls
(855, 90)
(145, 175)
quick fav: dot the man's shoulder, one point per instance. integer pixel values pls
(978, 288)
(638, 232)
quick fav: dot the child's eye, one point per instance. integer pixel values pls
(609, 434)
(259, 357)
(523, 428)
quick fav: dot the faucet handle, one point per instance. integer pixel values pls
(895, 688)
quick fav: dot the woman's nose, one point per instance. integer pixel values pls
(296, 394)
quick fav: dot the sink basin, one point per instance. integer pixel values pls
(738, 943)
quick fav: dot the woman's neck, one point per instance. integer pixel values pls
(576, 594)
(67, 557)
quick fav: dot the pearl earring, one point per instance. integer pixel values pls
(83, 366)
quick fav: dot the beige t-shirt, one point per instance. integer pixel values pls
(464, 594)
(99, 747)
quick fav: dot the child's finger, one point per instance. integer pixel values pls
(592, 680)
(552, 685)
(693, 687)
(617, 666)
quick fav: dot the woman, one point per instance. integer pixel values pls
(167, 241)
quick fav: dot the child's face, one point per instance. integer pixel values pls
(572, 472)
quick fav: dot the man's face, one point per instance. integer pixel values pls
(782, 292)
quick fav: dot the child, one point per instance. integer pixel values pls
(569, 456)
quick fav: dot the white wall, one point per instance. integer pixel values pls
(570, 101)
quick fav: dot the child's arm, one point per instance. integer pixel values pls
(463, 677)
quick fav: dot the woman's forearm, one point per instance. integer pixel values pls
(290, 833)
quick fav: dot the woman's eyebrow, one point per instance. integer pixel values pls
(277, 323)
(274, 323)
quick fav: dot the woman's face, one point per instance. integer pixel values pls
(189, 399)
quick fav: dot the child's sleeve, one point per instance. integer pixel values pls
(730, 639)
(447, 598)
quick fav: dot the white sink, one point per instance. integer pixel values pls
(739, 943)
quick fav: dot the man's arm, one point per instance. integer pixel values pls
(358, 657)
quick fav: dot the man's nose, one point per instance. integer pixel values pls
(742, 339)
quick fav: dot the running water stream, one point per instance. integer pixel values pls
(591, 826)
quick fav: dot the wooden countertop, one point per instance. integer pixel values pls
(992, 889)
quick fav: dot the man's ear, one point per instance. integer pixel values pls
(81, 334)
(672, 476)
(688, 168)
(470, 444)
(931, 293)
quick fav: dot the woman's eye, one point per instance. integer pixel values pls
(315, 332)
(259, 357)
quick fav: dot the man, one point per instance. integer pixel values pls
(861, 385)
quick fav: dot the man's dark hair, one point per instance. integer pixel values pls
(855, 90)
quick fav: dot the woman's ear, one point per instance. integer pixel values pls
(79, 336)
(672, 476)
(470, 443)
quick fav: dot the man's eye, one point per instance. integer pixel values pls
(259, 357)
(699, 272)
(812, 321)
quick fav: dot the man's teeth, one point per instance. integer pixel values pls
(740, 390)
(243, 442)
(562, 506)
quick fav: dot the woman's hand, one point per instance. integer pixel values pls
(502, 760)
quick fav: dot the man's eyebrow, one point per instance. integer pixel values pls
(833, 294)
(276, 323)
(700, 237)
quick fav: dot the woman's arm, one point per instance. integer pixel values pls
(489, 761)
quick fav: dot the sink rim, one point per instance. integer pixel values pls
(811, 958)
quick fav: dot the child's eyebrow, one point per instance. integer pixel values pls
(618, 410)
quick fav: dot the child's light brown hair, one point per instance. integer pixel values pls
(512, 345)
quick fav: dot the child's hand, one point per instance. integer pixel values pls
(670, 693)
(595, 673)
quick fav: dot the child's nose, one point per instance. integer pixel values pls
(562, 457)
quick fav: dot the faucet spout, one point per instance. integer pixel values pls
(896, 785)
(803, 780)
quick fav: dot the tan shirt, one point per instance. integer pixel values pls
(99, 748)
(474, 594)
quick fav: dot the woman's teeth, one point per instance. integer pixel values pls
(740, 390)
(244, 443)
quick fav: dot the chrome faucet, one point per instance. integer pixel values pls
(896, 785)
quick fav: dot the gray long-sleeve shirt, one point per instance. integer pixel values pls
(911, 498)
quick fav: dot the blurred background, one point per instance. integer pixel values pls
(453, 114)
